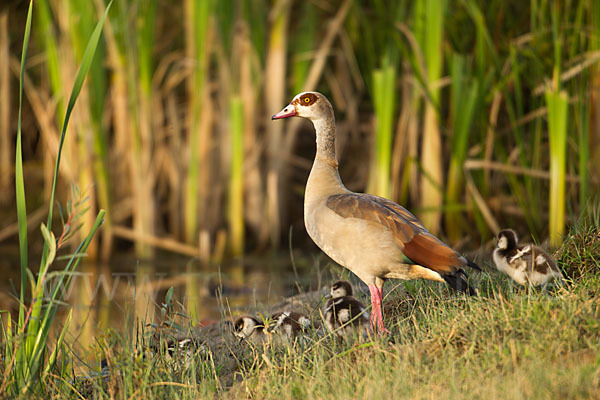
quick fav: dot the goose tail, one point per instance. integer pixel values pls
(457, 282)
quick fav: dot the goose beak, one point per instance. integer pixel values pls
(288, 111)
(327, 296)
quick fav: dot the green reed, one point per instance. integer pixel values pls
(92, 151)
(235, 211)
(429, 33)
(197, 50)
(384, 80)
(464, 95)
(558, 105)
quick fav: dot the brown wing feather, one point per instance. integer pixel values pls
(428, 251)
(415, 241)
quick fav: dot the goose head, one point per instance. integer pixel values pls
(340, 289)
(507, 239)
(310, 105)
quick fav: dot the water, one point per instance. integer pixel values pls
(103, 296)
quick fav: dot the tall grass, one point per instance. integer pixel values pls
(153, 133)
(28, 359)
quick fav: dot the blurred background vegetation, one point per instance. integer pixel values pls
(476, 115)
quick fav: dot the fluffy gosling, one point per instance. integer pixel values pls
(525, 264)
(344, 313)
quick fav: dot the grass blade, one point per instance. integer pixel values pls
(19, 178)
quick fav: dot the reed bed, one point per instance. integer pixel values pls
(172, 133)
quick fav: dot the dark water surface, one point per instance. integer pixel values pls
(103, 296)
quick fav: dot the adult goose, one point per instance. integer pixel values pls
(525, 264)
(373, 237)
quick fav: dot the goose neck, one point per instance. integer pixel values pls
(325, 132)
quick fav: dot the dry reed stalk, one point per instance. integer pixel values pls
(253, 181)
(175, 147)
(33, 221)
(208, 205)
(158, 242)
(401, 139)
(513, 169)
(413, 111)
(491, 130)
(590, 60)
(432, 179)
(60, 52)
(77, 145)
(235, 206)
(334, 28)
(275, 82)
(142, 137)
(6, 165)
(315, 72)
(143, 197)
(197, 51)
(487, 214)
(121, 122)
(43, 109)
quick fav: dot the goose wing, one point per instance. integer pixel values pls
(416, 243)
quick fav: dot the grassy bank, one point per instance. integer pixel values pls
(505, 343)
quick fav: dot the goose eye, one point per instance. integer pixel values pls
(307, 100)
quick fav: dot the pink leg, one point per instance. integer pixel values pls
(376, 315)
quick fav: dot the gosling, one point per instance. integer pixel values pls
(343, 312)
(525, 264)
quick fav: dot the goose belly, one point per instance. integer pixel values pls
(365, 248)
(516, 269)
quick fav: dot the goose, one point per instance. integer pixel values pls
(289, 324)
(279, 327)
(251, 329)
(342, 311)
(183, 344)
(373, 237)
(525, 264)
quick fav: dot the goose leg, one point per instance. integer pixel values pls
(376, 314)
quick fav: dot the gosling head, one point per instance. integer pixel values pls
(340, 289)
(310, 105)
(244, 327)
(507, 239)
